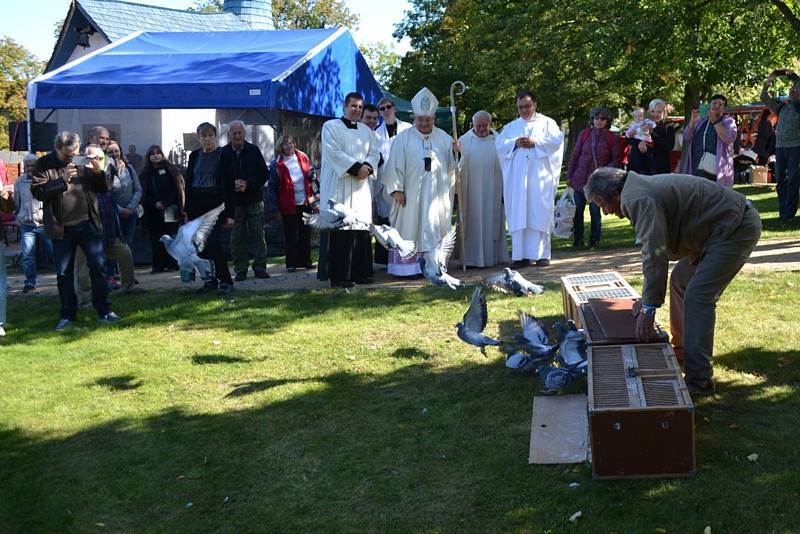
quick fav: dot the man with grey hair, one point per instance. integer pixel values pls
(245, 171)
(100, 136)
(68, 187)
(711, 230)
(29, 217)
(482, 195)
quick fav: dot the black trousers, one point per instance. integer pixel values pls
(349, 256)
(200, 202)
(161, 258)
(297, 238)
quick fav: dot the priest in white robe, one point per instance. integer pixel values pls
(386, 133)
(530, 150)
(482, 190)
(350, 155)
(420, 177)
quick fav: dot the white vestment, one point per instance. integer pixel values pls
(383, 203)
(341, 148)
(530, 178)
(426, 217)
(482, 190)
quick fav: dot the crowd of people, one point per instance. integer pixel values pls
(85, 206)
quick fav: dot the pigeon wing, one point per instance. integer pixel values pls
(444, 249)
(497, 282)
(324, 220)
(477, 314)
(404, 247)
(533, 329)
(205, 226)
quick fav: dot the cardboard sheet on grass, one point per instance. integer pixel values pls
(559, 430)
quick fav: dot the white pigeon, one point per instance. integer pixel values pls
(335, 216)
(510, 281)
(433, 262)
(390, 238)
(190, 241)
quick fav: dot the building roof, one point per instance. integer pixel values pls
(115, 19)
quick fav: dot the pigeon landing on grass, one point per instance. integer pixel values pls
(335, 216)
(433, 262)
(555, 378)
(390, 238)
(510, 281)
(190, 241)
(471, 330)
(534, 339)
(572, 350)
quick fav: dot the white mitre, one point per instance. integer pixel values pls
(424, 103)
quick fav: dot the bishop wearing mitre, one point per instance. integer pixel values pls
(420, 177)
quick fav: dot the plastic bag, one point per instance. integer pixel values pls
(564, 214)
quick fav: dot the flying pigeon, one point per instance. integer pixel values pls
(534, 339)
(190, 241)
(390, 238)
(471, 330)
(336, 215)
(433, 262)
(510, 281)
(555, 378)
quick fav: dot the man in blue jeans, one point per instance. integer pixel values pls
(29, 217)
(67, 185)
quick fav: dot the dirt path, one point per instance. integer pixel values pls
(770, 255)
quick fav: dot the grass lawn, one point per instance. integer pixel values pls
(327, 411)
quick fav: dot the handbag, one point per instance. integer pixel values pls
(708, 163)
(564, 214)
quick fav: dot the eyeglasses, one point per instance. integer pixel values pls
(386, 107)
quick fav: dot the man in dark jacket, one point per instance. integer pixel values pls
(242, 164)
(72, 219)
(711, 230)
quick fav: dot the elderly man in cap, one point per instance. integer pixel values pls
(711, 230)
(420, 176)
(530, 149)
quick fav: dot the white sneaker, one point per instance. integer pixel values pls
(2, 331)
(62, 324)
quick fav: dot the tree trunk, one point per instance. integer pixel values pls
(786, 11)
(691, 100)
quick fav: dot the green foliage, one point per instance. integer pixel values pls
(302, 14)
(382, 59)
(582, 53)
(208, 6)
(17, 67)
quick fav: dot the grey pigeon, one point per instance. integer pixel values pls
(572, 350)
(471, 330)
(335, 216)
(555, 378)
(191, 240)
(510, 281)
(433, 262)
(390, 238)
(561, 329)
(534, 339)
(521, 361)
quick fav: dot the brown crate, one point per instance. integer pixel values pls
(596, 333)
(641, 417)
(577, 289)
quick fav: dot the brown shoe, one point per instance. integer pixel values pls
(701, 387)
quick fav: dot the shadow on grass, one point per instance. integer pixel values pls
(411, 353)
(119, 383)
(420, 448)
(184, 312)
(206, 359)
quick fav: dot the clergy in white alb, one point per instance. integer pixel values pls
(482, 189)
(530, 150)
(420, 177)
(382, 202)
(349, 156)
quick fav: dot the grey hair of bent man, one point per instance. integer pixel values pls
(482, 114)
(604, 184)
(65, 138)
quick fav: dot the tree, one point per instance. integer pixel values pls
(382, 59)
(208, 6)
(582, 53)
(17, 67)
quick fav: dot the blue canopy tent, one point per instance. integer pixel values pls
(303, 71)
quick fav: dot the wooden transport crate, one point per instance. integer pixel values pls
(616, 327)
(577, 289)
(641, 417)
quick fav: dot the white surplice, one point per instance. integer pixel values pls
(530, 178)
(482, 190)
(426, 217)
(341, 148)
(383, 203)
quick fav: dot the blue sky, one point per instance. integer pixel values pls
(30, 23)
